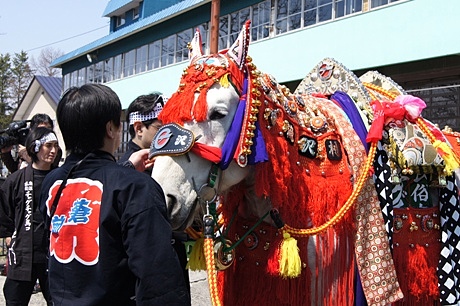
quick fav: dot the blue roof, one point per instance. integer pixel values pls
(114, 5)
(52, 85)
(126, 31)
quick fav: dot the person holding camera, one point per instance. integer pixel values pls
(17, 132)
(21, 221)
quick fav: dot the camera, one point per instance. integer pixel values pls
(16, 133)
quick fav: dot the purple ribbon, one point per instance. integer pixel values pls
(349, 107)
(259, 152)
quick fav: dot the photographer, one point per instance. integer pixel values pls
(17, 132)
(14, 134)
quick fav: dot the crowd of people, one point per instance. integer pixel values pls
(94, 230)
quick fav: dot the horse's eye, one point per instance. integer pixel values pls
(217, 115)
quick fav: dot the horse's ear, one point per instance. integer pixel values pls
(195, 46)
(239, 50)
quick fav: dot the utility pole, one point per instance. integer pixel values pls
(215, 16)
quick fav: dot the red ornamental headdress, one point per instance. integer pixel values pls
(229, 67)
(203, 72)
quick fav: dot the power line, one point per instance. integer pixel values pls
(56, 42)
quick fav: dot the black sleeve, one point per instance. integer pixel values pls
(9, 162)
(6, 210)
(151, 257)
(127, 163)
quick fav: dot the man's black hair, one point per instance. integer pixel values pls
(143, 104)
(38, 119)
(83, 113)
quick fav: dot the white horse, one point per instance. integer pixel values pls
(235, 135)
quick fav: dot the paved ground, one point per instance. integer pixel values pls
(198, 284)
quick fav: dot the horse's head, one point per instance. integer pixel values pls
(211, 103)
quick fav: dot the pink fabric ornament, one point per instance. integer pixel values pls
(413, 105)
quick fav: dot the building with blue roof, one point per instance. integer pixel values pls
(410, 41)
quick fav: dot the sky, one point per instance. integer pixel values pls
(64, 25)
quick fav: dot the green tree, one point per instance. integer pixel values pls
(22, 75)
(5, 86)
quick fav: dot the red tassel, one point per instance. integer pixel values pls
(416, 256)
(424, 280)
(273, 263)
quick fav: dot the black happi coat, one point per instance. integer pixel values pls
(132, 148)
(17, 221)
(111, 238)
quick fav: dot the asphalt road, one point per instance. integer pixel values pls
(198, 284)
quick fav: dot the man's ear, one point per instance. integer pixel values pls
(111, 130)
(138, 127)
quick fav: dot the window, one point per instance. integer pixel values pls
(317, 11)
(204, 35)
(347, 7)
(81, 77)
(135, 13)
(442, 99)
(168, 48)
(154, 55)
(223, 32)
(74, 78)
(183, 38)
(237, 20)
(129, 59)
(98, 72)
(117, 66)
(324, 10)
(141, 59)
(288, 15)
(377, 3)
(108, 70)
(121, 20)
(260, 26)
(90, 74)
(66, 81)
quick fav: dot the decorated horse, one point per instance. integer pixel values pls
(290, 212)
(413, 167)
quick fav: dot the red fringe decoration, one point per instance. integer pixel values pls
(189, 101)
(414, 262)
(253, 279)
(299, 195)
(424, 276)
(303, 200)
(248, 281)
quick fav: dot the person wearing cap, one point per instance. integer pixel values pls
(22, 223)
(142, 116)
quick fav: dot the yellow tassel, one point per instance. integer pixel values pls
(224, 81)
(197, 261)
(290, 263)
(448, 155)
